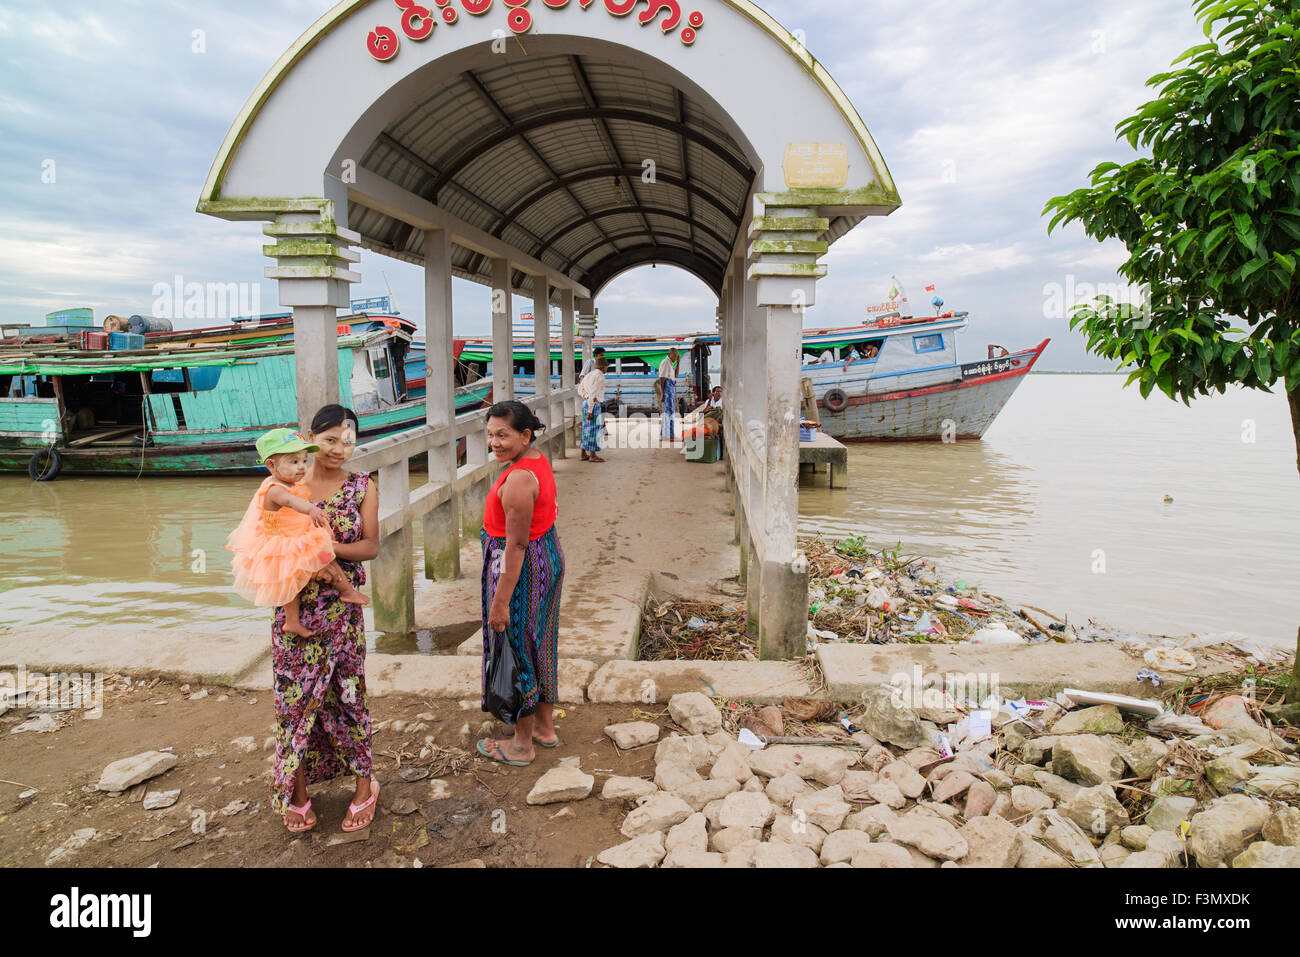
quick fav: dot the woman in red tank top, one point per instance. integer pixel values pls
(523, 570)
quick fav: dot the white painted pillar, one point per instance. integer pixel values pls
(542, 360)
(503, 347)
(441, 524)
(568, 372)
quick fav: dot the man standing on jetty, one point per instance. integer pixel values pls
(668, 389)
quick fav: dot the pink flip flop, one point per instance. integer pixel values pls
(303, 811)
(355, 809)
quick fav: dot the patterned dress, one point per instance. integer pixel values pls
(322, 723)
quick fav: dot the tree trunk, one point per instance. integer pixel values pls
(1293, 398)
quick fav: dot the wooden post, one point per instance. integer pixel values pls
(441, 524)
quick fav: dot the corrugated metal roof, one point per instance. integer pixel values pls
(548, 155)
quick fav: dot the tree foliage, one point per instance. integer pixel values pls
(1211, 219)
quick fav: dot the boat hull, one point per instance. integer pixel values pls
(960, 409)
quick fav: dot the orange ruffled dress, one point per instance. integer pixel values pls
(276, 553)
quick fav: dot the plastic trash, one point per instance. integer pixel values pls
(695, 624)
(1179, 724)
(1146, 674)
(946, 600)
(1148, 706)
(996, 633)
(749, 739)
(1163, 658)
(881, 599)
(501, 696)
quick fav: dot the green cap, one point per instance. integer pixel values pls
(280, 441)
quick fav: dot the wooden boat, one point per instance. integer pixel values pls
(900, 378)
(190, 402)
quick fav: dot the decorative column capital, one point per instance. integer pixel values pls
(313, 257)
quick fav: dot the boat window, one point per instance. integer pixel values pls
(379, 362)
(930, 343)
(634, 365)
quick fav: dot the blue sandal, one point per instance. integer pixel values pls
(500, 756)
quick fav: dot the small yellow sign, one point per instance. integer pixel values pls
(815, 165)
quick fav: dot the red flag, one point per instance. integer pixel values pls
(930, 288)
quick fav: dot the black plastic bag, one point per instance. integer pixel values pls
(501, 696)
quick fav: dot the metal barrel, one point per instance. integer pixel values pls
(115, 324)
(146, 324)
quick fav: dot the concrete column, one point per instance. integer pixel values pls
(542, 363)
(393, 571)
(587, 314)
(442, 523)
(503, 347)
(568, 371)
(313, 255)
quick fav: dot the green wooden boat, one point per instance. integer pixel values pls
(183, 408)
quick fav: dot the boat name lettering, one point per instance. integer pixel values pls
(974, 369)
(417, 22)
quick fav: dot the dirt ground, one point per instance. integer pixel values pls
(484, 817)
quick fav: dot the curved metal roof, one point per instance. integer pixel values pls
(586, 164)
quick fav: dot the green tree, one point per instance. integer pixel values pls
(1211, 219)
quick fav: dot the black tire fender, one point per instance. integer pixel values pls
(835, 400)
(45, 465)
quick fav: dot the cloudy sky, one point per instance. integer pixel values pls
(111, 114)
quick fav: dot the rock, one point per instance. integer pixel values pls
(1027, 801)
(782, 790)
(698, 794)
(786, 828)
(1135, 836)
(992, 842)
(742, 855)
(1283, 827)
(1113, 855)
(979, 800)
(1168, 844)
(887, 793)
(999, 780)
(827, 809)
(719, 741)
(1145, 859)
(246, 744)
(863, 740)
(1223, 773)
(1033, 854)
(1014, 736)
(659, 812)
(730, 838)
(1099, 719)
(1264, 854)
(944, 812)
(695, 712)
(624, 788)
(692, 751)
(79, 839)
(1055, 787)
(690, 835)
(882, 855)
(781, 854)
(877, 757)
(954, 785)
(746, 809)
(1142, 756)
(673, 777)
(1063, 836)
(754, 784)
(157, 800)
(692, 859)
(909, 782)
(1096, 810)
(644, 851)
(824, 764)
(775, 761)
(129, 772)
(871, 820)
(712, 814)
(38, 723)
(632, 734)
(842, 845)
(854, 784)
(733, 763)
(919, 859)
(1037, 750)
(561, 784)
(888, 719)
(1086, 759)
(931, 835)
(1224, 829)
(1168, 812)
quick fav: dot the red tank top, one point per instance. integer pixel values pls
(545, 510)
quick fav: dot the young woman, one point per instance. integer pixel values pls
(322, 723)
(523, 570)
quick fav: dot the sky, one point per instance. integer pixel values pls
(111, 115)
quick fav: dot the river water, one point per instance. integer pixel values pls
(1060, 506)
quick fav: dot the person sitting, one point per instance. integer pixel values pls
(711, 404)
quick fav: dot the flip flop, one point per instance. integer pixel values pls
(355, 809)
(553, 744)
(500, 757)
(303, 811)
